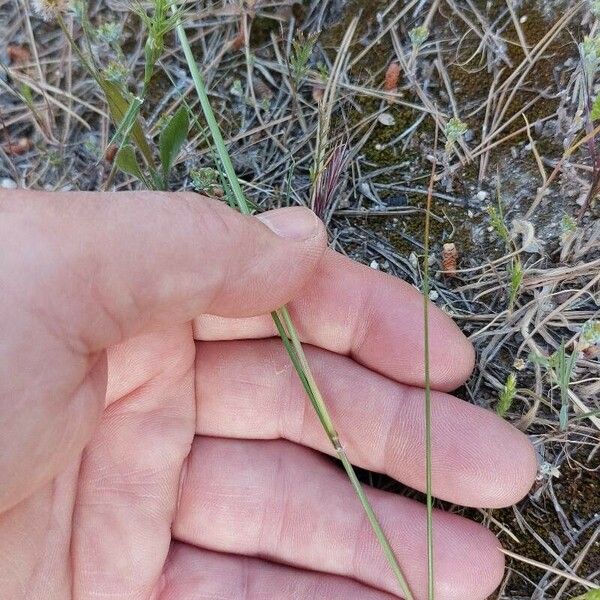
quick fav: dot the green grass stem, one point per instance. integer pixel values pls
(426, 364)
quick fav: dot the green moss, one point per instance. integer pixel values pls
(405, 233)
(379, 55)
(472, 87)
(261, 29)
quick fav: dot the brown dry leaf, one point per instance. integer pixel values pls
(591, 352)
(262, 90)
(110, 152)
(237, 43)
(17, 147)
(449, 259)
(217, 192)
(317, 93)
(18, 55)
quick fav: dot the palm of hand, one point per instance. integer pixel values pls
(102, 527)
(105, 526)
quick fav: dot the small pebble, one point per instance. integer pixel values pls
(8, 184)
(482, 195)
(386, 119)
(374, 265)
(433, 295)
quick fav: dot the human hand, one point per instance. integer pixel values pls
(147, 452)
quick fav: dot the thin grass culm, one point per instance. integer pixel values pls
(428, 456)
(284, 324)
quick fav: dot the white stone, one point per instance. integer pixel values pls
(386, 119)
(8, 184)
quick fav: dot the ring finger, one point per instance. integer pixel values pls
(282, 502)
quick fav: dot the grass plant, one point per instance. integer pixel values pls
(514, 267)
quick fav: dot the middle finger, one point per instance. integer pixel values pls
(248, 389)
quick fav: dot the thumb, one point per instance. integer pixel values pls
(111, 265)
(82, 271)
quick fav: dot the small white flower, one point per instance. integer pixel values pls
(548, 470)
(48, 9)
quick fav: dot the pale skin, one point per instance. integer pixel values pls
(155, 442)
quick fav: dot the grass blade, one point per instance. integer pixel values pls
(428, 457)
(292, 343)
(119, 109)
(172, 138)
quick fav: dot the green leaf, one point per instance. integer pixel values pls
(127, 162)
(596, 108)
(118, 107)
(591, 595)
(172, 138)
(124, 128)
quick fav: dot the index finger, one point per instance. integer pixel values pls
(368, 315)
